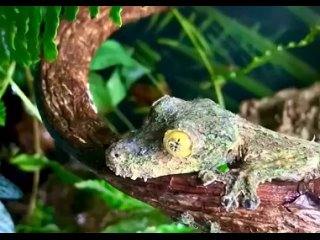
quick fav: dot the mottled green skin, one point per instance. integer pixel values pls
(219, 137)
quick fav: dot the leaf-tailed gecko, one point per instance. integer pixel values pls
(181, 136)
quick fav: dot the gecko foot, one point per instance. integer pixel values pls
(251, 204)
(242, 186)
(207, 177)
(230, 203)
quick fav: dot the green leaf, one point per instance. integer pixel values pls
(131, 225)
(138, 222)
(10, 30)
(15, 26)
(2, 114)
(223, 168)
(51, 19)
(4, 53)
(166, 19)
(240, 33)
(33, 33)
(43, 220)
(8, 190)
(109, 54)
(22, 19)
(115, 199)
(29, 163)
(6, 76)
(71, 12)
(98, 91)
(115, 89)
(107, 94)
(49, 228)
(152, 22)
(306, 14)
(146, 55)
(115, 15)
(203, 50)
(132, 74)
(169, 228)
(94, 11)
(63, 175)
(29, 106)
(4, 49)
(6, 223)
(251, 85)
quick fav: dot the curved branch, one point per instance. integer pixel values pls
(64, 100)
(68, 114)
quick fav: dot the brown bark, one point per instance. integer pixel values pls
(291, 111)
(68, 114)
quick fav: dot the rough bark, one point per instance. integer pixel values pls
(70, 118)
(291, 111)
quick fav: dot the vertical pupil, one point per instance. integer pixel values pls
(174, 144)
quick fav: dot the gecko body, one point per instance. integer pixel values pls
(198, 136)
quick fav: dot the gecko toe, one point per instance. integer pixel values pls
(250, 204)
(230, 203)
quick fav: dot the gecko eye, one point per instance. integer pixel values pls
(177, 143)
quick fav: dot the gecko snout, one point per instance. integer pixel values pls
(114, 157)
(124, 158)
(120, 151)
(114, 153)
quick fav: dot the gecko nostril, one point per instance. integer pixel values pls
(114, 153)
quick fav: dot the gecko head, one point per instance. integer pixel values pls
(177, 137)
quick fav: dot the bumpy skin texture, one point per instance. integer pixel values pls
(254, 154)
(142, 154)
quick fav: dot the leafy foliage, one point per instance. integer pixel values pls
(141, 217)
(115, 15)
(225, 35)
(203, 51)
(269, 54)
(169, 228)
(111, 53)
(36, 162)
(2, 114)
(150, 222)
(108, 93)
(29, 163)
(21, 38)
(51, 20)
(71, 12)
(240, 33)
(42, 221)
(115, 198)
(94, 11)
(223, 168)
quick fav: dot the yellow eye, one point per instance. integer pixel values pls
(177, 143)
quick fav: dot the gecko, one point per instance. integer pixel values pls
(198, 136)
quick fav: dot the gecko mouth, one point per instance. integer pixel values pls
(134, 158)
(128, 165)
